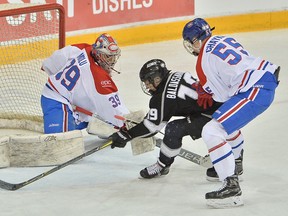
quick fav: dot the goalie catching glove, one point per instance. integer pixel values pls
(120, 138)
(205, 99)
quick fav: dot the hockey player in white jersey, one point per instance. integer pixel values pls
(80, 76)
(244, 83)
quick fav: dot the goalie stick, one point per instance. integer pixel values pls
(188, 155)
(87, 112)
(131, 121)
(16, 186)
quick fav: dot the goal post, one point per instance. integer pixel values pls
(29, 33)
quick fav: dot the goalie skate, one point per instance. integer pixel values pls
(229, 195)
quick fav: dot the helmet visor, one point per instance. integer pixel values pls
(193, 47)
(188, 46)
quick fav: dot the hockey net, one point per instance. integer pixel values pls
(28, 34)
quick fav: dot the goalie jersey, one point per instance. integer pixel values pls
(76, 80)
(174, 97)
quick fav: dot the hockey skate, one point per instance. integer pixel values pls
(211, 174)
(154, 170)
(229, 195)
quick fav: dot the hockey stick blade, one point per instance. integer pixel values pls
(191, 156)
(188, 155)
(16, 186)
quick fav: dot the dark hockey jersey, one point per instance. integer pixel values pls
(175, 96)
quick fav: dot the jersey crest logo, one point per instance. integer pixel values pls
(106, 83)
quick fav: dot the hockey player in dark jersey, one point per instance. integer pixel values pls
(173, 94)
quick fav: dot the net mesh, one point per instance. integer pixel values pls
(27, 36)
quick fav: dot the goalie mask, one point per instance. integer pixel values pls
(194, 33)
(106, 52)
(151, 75)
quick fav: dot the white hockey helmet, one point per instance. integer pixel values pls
(106, 52)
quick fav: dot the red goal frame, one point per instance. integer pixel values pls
(39, 8)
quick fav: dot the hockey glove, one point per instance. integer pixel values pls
(205, 99)
(120, 138)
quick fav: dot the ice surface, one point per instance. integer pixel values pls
(107, 184)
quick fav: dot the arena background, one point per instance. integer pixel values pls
(106, 183)
(143, 21)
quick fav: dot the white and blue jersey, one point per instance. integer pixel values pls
(76, 80)
(228, 72)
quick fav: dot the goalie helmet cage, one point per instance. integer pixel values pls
(29, 33)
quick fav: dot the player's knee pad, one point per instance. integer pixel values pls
(213, 133)
(174, 133)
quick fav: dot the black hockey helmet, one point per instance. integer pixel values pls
(153, 71)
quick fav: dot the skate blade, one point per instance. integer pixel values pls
(215, 179)
(229, 202)
(155, 177)
(212, 179)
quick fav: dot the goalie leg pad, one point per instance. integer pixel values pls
(45, 150)
(139, 145)
(4, 152)
(100, 128)
(136, 116)
(142, 145)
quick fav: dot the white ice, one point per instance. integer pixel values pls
(107, 184)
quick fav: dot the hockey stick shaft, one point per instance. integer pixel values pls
(87, 112)
(16, 186)
(188, 155)
(191, 156)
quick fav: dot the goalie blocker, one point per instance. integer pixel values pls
(103, 130)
